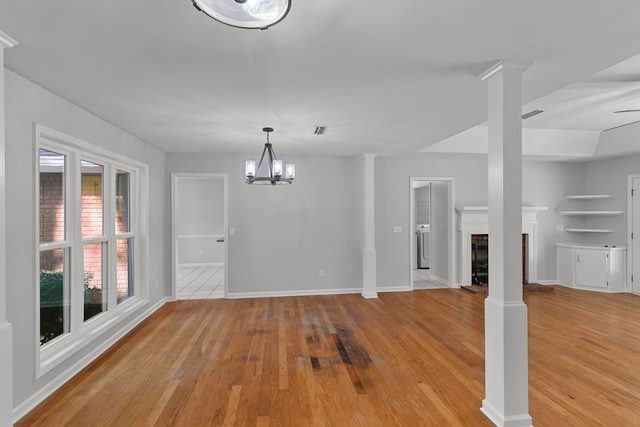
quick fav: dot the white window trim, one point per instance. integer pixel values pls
(83, 333)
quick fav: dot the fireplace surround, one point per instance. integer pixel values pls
(474, 220)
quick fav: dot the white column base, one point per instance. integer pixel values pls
(506, 364)
(502, 421)
(369, 276)
(6, 374)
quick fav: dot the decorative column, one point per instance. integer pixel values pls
(506, 400)
(6, 332)
(369, 276)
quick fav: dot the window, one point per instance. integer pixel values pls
(124, 238)
(88, 233)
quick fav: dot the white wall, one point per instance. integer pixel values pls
(439, 229)
(26, 104)
(609, 176)
(285, 234)
(544, 184)
(6, 330)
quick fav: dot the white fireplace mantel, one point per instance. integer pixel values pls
(475, 220)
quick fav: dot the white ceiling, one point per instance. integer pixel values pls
(386, 77)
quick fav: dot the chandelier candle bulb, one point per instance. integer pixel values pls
(277, 168)
(291, 171)
(250, 168)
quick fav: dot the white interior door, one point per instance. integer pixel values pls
(199, 235)
(635, 241)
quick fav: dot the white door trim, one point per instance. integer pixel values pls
(633, 286)
(452, 261)
(175, 177)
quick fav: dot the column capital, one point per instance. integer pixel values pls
(6, 41)
(503, 65)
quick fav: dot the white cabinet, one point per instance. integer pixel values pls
(591, 267)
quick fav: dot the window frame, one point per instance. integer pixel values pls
(81, 332)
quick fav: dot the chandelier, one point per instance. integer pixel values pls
(252, 14)
(277, 174)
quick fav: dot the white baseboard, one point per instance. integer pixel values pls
(394, 288)
(57, 382)
(369, 295)
(273, 294)
(547, 282)
(201, 264)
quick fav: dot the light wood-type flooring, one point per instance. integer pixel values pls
(405, 359)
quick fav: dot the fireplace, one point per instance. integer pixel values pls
(474, 220)
(480, 259)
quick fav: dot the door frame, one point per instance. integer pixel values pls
(630, 222)
(175, 178)
(452, 261)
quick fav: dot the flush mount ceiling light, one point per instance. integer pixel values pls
(252, 14)
(277, 174)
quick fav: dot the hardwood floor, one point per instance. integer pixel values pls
(406, 359)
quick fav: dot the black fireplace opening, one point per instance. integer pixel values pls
(480, 259)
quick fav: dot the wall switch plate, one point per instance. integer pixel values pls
(397, 229)
(232, 231)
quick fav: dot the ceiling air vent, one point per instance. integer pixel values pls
(531, 114)
(320, 130)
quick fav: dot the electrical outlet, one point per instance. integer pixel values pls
(321, 272)
(157, 283)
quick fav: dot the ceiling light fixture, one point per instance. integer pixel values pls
(531, 114)
(277, 174)
(251, 14)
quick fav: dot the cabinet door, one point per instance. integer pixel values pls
(591, 268)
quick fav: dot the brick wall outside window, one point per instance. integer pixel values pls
(51, 217)
(52, 227)
(92, 220)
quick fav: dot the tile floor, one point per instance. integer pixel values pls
(200, 282)
(422, 280)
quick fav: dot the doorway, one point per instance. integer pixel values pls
(432, 218)
(199, 235)
(633, 254)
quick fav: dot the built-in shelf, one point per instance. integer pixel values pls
(588, 196)
(594, 213)
(587, 230)
(589, 213)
